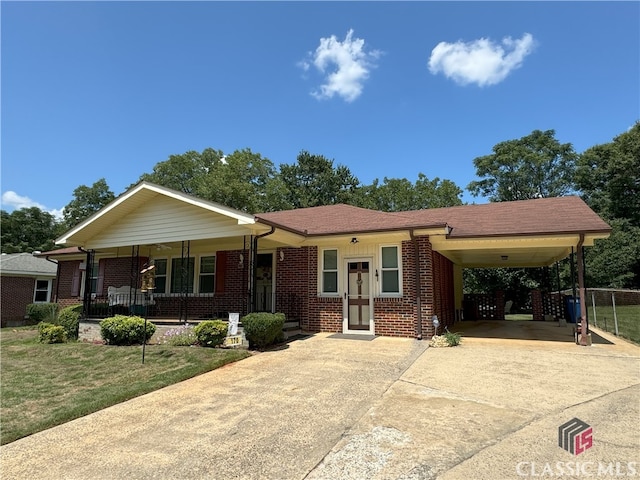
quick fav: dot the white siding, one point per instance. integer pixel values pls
(167, 220)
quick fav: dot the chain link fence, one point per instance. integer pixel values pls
(615, 311)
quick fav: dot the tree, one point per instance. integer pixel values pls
(314, 181)
(28, 230)
(399, 194)
(86, 202)
(608, 176)
(242, 180)
(533, 166)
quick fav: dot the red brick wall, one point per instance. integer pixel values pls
(16, 294)
(443, 288)
(293, 274)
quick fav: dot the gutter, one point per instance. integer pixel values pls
(416, 252)
(57, 274)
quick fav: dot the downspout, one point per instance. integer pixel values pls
(416, 254)
(57, 274)
(584, 327)
(254, 260)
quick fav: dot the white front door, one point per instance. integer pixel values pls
(358, 301)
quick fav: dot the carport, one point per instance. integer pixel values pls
(516, 235)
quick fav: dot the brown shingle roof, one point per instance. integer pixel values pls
(545, 216)
(337, 219)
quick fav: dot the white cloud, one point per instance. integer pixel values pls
(344, 65)
(16, 202)
(481, 61)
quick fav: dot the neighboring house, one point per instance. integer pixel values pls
(334, 268)
(24, 279)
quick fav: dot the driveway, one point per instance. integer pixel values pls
(335, 408)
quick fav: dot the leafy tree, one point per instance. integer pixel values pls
(533, 166)
(185, 172)
(27, 230)
(609, 177)
(243, 180)
(86, 202)
(314, 181)
(399, 194)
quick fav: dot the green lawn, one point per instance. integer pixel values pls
(628, 320)
(45, 385)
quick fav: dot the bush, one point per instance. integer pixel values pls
(211, 333)
(125, 330)
(69, 318)
(50, 333)
(263, 329)
(182, 336)
(42, 312)
(453, 339)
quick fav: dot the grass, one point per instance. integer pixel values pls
(628, 320)
(44, 385)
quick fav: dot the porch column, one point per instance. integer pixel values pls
(584, 325)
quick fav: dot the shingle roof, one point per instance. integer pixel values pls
(544, 216)
(339, 219)
(26, 264)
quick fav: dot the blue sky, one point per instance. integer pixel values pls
(389, 89)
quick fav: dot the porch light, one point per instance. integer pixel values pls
(505, 257)
(354, 240)
(281, 255)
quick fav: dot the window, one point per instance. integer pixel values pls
(95, 268)
(182, 275)
(390, 270)
(161, 275)
(42, 291)
(330, 271)
(207, 274)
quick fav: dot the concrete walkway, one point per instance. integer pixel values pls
(333, 408)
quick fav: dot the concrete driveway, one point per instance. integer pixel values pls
(328, 408)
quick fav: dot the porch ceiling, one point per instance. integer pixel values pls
(510, 252)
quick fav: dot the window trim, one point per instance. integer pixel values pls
(36, 290)
(166, 275)
(399, 293)
(198, 273)
(322, 271)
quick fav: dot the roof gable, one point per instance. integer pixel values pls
(149, 213)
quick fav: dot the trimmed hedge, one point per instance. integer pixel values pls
(125, 330)
(263, 329)
(69, 318)
(211, 333)
(50, 333)
(42, 312)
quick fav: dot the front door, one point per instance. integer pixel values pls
(358, 314)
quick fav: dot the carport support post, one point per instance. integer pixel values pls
(584, 327)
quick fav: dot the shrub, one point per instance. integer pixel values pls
(452, 338)
(50, 333)
(42, 312)
(183, 336)
(211, 333)
(263, 329)
(125, 330)
(69, 318)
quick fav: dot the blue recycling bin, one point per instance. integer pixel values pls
(572, 308)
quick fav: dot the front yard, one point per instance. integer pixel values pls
(43, 385)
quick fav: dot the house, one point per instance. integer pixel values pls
(335, 268)
(24, 279)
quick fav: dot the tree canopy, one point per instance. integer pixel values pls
(28, 230)
(86, 202)
(533, 166)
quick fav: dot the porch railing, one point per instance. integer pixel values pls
(193, 307)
